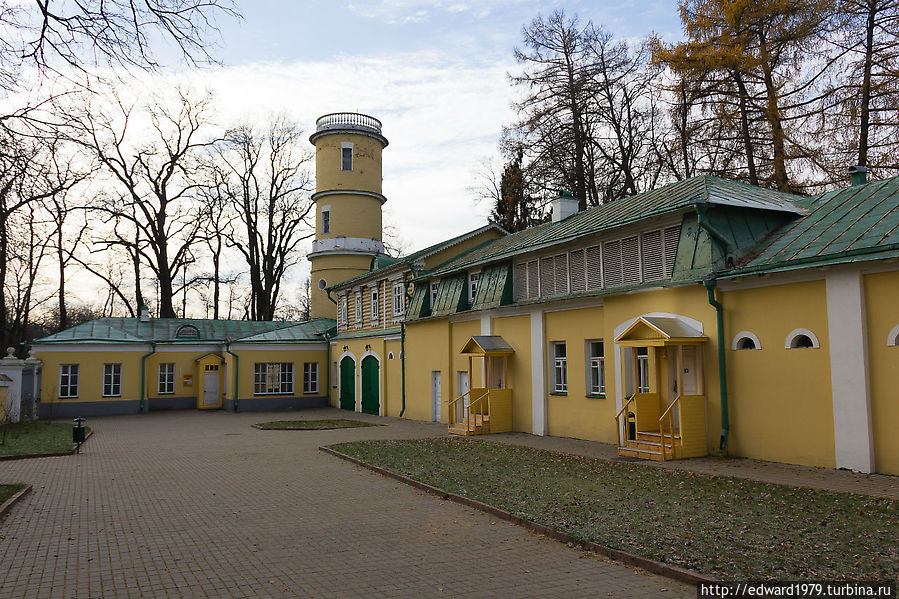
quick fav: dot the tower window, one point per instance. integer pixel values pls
(326, 221)
(346, 156)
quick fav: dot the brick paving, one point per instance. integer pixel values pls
(193, 504)
(880, 485)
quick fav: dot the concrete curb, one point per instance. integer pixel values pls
(660, 568)
(26, 456)
(302, 428)
(7, 505)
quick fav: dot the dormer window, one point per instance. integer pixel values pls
(346, 156)
(472, 286)
(188, 331)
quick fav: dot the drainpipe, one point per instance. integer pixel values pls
(722, 366)
(236, 373)
(143, 370)
(328, 342)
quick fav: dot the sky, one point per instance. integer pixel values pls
(434, 72)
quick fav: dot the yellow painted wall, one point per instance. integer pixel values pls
(333, 269)
(516, 330)
(185, 365)
(90, 374)
(781, 407)
(366, 173)
(428, 347)
(574, 414)
(297, 357)
(352, 215)
(881, 292)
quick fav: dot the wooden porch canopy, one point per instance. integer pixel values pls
(659, 331)
(487, 345)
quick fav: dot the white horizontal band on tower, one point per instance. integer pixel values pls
(346, 244)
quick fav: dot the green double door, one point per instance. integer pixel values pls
(370, 397)
(348, 384)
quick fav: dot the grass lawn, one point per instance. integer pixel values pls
(36, 437)
(7, 491)
(727, 528)
(313, 425)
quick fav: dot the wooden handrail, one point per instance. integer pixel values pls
(670, 414)
(451, 407)
(627, 402)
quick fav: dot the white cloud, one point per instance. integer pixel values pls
(398, 12)
(441, 115)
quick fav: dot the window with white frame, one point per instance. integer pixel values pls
(399, 307)
(272, 378)
(346, 156)
(596, 368)
(375, 313)
(112, 380)
(434, 286)
(343, 311)
(166, 378)
(68, 380)
(473, 278)
(310, 377)
(560, 367)
(326, 221)
(357, 300)
(642, 370)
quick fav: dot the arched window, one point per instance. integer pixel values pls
(189, 331)
(745, 340)
(801, 339)
(893, 337)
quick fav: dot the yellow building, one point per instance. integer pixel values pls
(703, 317)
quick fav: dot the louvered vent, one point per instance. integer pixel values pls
(547, 277)
(594, 267)
(611, 263)
(561, 264)
(520, 281)
(576, 270)
(672, 235)
(653, 260)
(630, 257)
(533, 280)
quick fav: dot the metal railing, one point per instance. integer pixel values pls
(348, 120)
(469, 417)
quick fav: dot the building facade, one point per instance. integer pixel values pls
(703, 317)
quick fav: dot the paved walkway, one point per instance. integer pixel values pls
(193, 504)
(880, 485)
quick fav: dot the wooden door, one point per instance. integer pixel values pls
(348, 384)
(370, 392)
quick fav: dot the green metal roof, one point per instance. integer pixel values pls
(385, 262)
(845, 225)
(669, 199)
(304, 332)
(369, 333)
(132, 330)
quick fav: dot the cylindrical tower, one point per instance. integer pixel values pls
(348, 202)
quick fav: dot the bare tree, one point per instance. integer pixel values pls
(156, 184)
(49, 36)
(265, 178)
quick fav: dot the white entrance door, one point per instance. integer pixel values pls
(462, 387)
(689, 371)
(435, 396)
(210, 388)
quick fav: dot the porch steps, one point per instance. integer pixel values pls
(472, 425)
(645, 454)
(648, 446)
